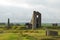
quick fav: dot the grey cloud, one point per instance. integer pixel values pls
(15, 14)
(55, 4)
(50, 11)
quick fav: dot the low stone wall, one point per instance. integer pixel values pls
(51, 33)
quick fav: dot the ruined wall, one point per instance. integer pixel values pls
(36, 20)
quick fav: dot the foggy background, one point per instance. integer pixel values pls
(22, 10)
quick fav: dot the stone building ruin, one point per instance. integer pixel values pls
(36, 20)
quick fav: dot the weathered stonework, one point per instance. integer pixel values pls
(8, 24)
(28, 25)
(51, 33)
(36, 20)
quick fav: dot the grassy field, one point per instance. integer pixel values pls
(20, 33)
(27, 35)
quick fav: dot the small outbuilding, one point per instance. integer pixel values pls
(28, 25)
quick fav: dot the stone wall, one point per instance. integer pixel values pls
(36, 20)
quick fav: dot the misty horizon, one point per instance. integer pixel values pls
(21, 10)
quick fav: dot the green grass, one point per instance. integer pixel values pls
(8, 36)
(27, 35)
(20, 33)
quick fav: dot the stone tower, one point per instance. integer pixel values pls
(36, 20)
(8, 24)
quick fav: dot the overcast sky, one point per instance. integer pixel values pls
(22, 10)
